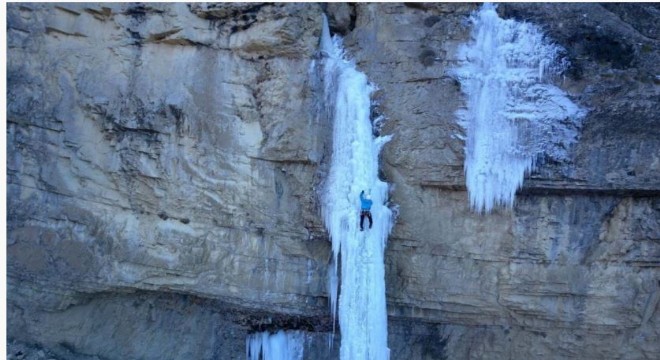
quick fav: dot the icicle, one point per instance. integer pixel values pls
(512, 117)
(326, 45)
(282, 345)
(354, 167)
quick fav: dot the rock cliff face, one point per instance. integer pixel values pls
(163, 162)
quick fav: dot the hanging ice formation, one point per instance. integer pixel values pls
(513, 114)
(354, 167)
(282, 345)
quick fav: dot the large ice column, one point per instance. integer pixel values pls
(354, 167)
(513, 114)
(282, 345)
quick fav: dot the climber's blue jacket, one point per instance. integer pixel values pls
(366, 203)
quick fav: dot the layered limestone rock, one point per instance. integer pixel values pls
(163, 161)
(167, 148)
(572, 270)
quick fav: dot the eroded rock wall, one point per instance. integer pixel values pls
(572, 270)
(161, 147)
(164, 161)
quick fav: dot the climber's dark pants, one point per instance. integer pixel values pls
(366, 213)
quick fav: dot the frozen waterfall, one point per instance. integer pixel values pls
(282, 345)
(357, 256)
(513, 114)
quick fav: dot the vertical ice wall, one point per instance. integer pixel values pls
(354, 167)
(282, 345)
(513, 114)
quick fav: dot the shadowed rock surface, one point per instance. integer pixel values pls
(164, 162)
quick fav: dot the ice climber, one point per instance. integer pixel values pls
(365, 210)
